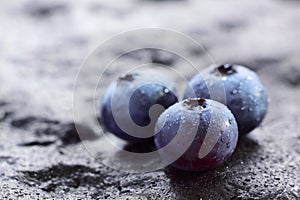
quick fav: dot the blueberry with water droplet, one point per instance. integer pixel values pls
(132, 104)
(198, 146)
(246, 96)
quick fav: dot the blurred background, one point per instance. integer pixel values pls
(44, 43)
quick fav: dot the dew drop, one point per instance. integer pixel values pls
(234, 91)
(227, 123)
(166, 90)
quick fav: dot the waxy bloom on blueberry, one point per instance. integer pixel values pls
(132, 104)
(237, 87)
(198, 134)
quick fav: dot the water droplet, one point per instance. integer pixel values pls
(234, 91)
(243, 108)
(250, 109)
(227, 123)
(166, 90)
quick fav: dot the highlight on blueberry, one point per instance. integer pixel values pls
(132, 103)
(246, 96)
(208, 130)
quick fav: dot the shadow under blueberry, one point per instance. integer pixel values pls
(139, 148)
(195, 185)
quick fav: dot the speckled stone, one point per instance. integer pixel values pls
(42, 46)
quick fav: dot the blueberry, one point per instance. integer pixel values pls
(132, 104)
(196, 133)
(246, 96)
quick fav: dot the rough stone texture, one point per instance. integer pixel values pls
(42, 46)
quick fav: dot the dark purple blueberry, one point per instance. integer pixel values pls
(197, 134)
(246, 96)
(136, 99)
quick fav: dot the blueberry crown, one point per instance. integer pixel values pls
(127, 77)
(195, 102)
(226, 69)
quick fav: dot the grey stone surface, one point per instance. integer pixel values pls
(42, 46)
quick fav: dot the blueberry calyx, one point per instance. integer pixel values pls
(226, 69)
(128, 77)
(194, 103)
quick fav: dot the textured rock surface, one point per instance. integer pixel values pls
(42, 46)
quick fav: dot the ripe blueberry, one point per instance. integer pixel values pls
(132, 104)
(197, 134)
(246, 97)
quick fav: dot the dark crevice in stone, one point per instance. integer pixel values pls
(3, 103)
(291, 75)
(5, 115)
(37, 143)
(163, 57)
(198, 51)
(8, 159)
(27, 121)
(44, 9)
(260, 63)
(62, 177)
(151, 55)
(231, 26)
(68, 133)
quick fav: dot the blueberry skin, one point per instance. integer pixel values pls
(246, 96)
(197, 115)
(145, 94)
